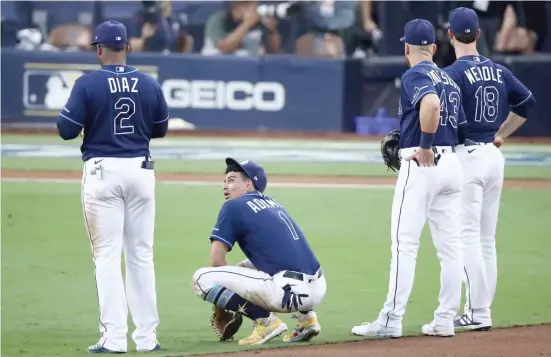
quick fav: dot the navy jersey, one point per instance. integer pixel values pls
(489, 92)
(120, 109)
(266, 233)
(418, 81)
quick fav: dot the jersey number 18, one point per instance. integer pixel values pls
(487, 102)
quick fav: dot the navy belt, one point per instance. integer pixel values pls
(469, 142)
(299, 276)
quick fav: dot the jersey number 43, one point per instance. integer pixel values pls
(449, 108)
(125, 108)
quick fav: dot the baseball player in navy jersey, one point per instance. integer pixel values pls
(496, 104)
(119, 110)
(281, 274)
(428, 187)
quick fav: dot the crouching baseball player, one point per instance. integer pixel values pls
(281, 273)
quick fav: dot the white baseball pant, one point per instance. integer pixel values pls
(421, 194)
(118, 199)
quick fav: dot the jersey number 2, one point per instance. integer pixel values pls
(289, 224)
(125, 108)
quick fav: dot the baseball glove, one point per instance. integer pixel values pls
(225, 323)
(390, 147)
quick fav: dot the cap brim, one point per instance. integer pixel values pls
(230, 161)
(117, 45)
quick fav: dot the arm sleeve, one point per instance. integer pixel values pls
(71, 118)
(226, 228)
(214, 29)
(160, 121)
(416, 86)
(521, 100)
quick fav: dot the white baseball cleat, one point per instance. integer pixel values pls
(433, 329)
(375, 329)
(464, 322)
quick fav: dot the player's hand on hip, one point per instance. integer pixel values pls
(498, 141)
(423, 157)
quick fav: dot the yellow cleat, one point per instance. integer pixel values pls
(265, 330)
(307, 328)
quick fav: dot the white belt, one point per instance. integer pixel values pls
(404, 153)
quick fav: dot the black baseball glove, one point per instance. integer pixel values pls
(390, 147)
(225, 323)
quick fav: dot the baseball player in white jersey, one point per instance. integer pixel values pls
(428, 187)
(496, 104)
(119, 110)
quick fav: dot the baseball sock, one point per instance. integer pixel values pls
(227, 299)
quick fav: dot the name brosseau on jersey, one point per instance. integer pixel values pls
(438, 76)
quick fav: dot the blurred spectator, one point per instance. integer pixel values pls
(154, 29)
(241, 31)
(524, 28)
(327, 21)
(363, 38)
(490, 20)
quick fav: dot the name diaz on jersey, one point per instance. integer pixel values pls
(122, 85)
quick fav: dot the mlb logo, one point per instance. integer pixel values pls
(117, 38)
(424, 42)
(244, 162)
(468, 31)
(119, 69)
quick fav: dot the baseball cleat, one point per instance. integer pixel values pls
(98, 348)
(264, 330)
(375, 329)
(156, 348)
(433, 329)
(307, 328)
(465, 322)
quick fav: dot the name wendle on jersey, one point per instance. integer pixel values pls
(483, 73)
(259, 204)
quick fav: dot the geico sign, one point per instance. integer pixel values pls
(234, 95)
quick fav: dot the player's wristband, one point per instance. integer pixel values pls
(426, 140)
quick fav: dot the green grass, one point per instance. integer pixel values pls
(49, 303)
(273, 168)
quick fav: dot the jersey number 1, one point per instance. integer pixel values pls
(125, 108)
(289, 224)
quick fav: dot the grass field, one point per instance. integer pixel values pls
(49, 305)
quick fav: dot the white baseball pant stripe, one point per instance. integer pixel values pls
(118, 199)
(423, 194)
(259, 287)
(483, 167)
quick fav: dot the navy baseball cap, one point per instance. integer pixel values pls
(419, 32)
(254, 171)
(111, 34)
(463, 21)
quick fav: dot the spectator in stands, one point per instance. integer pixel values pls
(327, 20)
(363, 38)
(154, 29)
(523, 29)
(241, 31)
